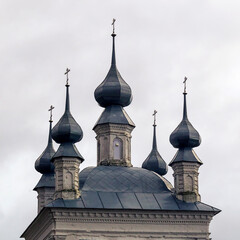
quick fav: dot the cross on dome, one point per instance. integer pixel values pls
(185, 85)
(113, 24)
(50, 110)
(66, 73)
(154, 116)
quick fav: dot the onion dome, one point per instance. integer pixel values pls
(154, 162)
(67, 129)
(113, 90)
(185, 135)
(43, 164)
(67, 132)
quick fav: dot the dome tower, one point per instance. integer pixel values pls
(67, 158)
(114, 126)
(46, 185)
(185, 163)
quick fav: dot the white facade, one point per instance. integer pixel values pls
(77, 224)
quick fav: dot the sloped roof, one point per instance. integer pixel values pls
(112, 187)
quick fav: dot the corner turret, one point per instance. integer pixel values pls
(46, 185)
(186, 163)
(67, 158)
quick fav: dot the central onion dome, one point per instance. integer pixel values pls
(185, 135)
(113, 90)
(67, 129)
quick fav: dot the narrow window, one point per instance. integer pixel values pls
(117, 148)
(98, 150)
(189, 184)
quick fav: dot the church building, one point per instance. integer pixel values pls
(115, 200)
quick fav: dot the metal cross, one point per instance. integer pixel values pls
(50, 109)
(66, 73)
(113, 24)
(185, 84)
(154, 115)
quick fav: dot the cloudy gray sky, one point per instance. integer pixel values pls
(158, 43)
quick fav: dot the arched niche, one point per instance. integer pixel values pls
(117, 148)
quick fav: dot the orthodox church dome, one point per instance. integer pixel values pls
(67, 129)
(43, 164)
(185, 135)
(154, 162)
(113, 90)
(122, 179)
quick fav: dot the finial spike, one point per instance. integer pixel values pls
(113, 47)
(50, 110)
(113, 24)
(66, 73)
(185, 85)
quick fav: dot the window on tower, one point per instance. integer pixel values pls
(117, 148)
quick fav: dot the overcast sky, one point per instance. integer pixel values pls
(157, 44)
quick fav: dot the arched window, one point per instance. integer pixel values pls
(117, 148)
(189, 183)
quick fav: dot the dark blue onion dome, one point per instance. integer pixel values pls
(185, 137)
(67, 132)
(154, 162)
(43, 164)
(113, 90)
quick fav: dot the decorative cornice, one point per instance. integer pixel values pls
(113, 127)
(132, 217)
(50, 216)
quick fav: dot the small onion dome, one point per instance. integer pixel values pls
(154, 162)
(67, 129)
(185, 135)
(113, 90)
(43, 164)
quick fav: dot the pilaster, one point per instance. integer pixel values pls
(45, 196)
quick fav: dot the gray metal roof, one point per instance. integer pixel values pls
(47, 180)
(185, 155)
(122, 179)
(114, 114)
(112, 187)
(164, 201)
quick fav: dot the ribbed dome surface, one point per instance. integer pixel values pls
(113, 90)
(67, 129)
(185, 135)
(154, 162)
